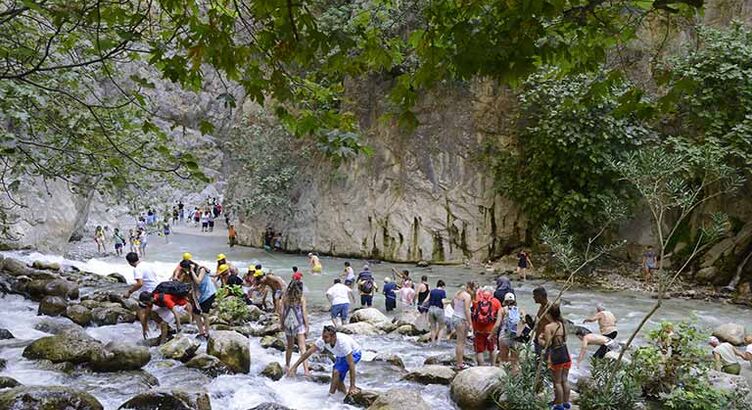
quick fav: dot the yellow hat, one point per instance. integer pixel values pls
(187, 256)
(221, 256)
(257, 273)
(223, 268)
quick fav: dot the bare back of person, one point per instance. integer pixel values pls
(606, 322)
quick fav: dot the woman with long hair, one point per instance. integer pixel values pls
(461, 304)
(555, 339)
(295, 321)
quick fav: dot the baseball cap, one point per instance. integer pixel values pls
(297, 276)
(509, 297)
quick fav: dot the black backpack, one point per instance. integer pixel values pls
(173, 287)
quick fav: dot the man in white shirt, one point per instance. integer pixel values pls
(340, 296)
(347, 353)
(725, 357)
(146, 278)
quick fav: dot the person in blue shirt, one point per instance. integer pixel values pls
(391, 296)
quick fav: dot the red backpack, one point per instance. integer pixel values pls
(483, 312)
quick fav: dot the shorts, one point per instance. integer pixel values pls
(435, 314)
(484, 342)
(204, 224)
(391, 304)
(206, 305)
(456, 321)
(366, 300)
(341, 366)
(316, 269)
(562, 366)
(292, 332)
(422, 309)
(118, 246)
(211, 224)
(348, 282)
(340, 310)
(507, 340)
(277, 294)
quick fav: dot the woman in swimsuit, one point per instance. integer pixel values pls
(554, 337)
(295, 321)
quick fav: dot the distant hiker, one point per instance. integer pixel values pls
(649, 262)
(587, 338)
(422, 292)
(119, 241)
(435, 305)
(346, 352)
(554, 338)
(205, 221)
(725, 357)
(389, 294)
(181, 210)
(366, 286)
(232, 236)
(406, 296)
(461, 305)
(210, 219)
(340, 297)
(607, 324)
(143, 241)
(348, 275)
(294, 321)
(315, 263)
(523, 263)
(166, 230)
(486, 319)
(175, 215)
(99, 239)
(196, 216)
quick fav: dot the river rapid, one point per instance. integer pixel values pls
(241, 392)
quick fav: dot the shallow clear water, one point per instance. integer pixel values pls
(245, 391)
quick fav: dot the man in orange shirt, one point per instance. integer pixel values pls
(166, 304)
(486, 321)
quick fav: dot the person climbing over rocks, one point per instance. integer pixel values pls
(587, 338)
(607, 324)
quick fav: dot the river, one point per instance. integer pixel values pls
(241, 392)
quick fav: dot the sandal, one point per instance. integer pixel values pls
(463, 367)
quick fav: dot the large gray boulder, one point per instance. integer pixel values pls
(47, 398)
(56, 325)
(360, 328)
(168, 399)
(270, 406)
(118, 356)
(273, 342)
(62, 288)
(207, 364)
(273, 371)
(181, 347)
(72, 346)
(231, 348)
(369, 315)
(392, 359)
(5, 334)
(472, 388)
(78, 314)
(432, 374)
(400, 399)
(8, 382)
(14, 267)
(730, 332)
(112, 315)
(52, 306)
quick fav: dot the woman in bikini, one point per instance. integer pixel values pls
(554, 337)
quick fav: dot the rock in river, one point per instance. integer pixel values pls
(117, 356)
(369, 315)
(232, 349)
(52, 306)
(79, 314)
(47, 397)
(72, 345)
(181, 347)
(168, 399)
(432, 374)
(472, 388)
(273, 342)
(730, 332)
(273, 371)
(207, 364)
(400, 399)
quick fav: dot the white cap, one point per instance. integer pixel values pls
(387, 279)
(509, 297)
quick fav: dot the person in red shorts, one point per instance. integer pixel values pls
(486, 321)
(165, 304)
(557, 355)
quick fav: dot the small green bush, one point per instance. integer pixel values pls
(518, 391)
(231, 306)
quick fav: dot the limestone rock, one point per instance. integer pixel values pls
(117, 277)
(168, 399)
(53, 266)
(472, 388)
(363, 398)
(447, 359)
(408, 330)
(422, 264)
(52, 306)
(111, 315)
(391, 359)
(400, 399)
(269, 330)
(117, 356)
(47, 397)
(270, 406)
(360, 328)
(181, 347)
(273, 342)
(5, 334)
(62, 288)
(8, 382)
(432, 374)
(730, 332)
(14, 267)
(273, 371)
(369, 315)
(231, 348)
(72, 345)
(78, 314)
(56, 326)
(254, 312)
(207, 364)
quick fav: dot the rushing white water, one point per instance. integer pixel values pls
(245, 391)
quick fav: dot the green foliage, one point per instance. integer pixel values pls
(231, 306)
(518, 391)
(624, 391)
(696, 394)
(559, 171)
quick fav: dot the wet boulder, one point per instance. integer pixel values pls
(52, 306)
(14, 267)
(472, 388)
(181, 347)
(369, 315)
(5, 334)
(117, 356)
(360, 328)
(400, 399)
(392, 359)
(447, 359)
(117, 277)
(56, 325)
(111, 315)
(207, 364)
(231, 348)
(62, 288)
(362, 398)
(168, 399)
(273, 342)
(43, 265)
(269, 330)
(79, 314)
(270, 406)
(47, 397)
(730, 332)
(408, 330)
(273, 371)
(432, 374)
(8, 382)
(71, 345)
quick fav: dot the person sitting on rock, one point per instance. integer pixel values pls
(725, 357)
(588, 338)
(346, 352)
(165, 312)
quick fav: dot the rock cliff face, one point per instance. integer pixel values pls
(425, 196)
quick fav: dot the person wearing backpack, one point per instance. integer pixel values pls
(366, 286)
(486, 321)
(511, 328)
(166, 298)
